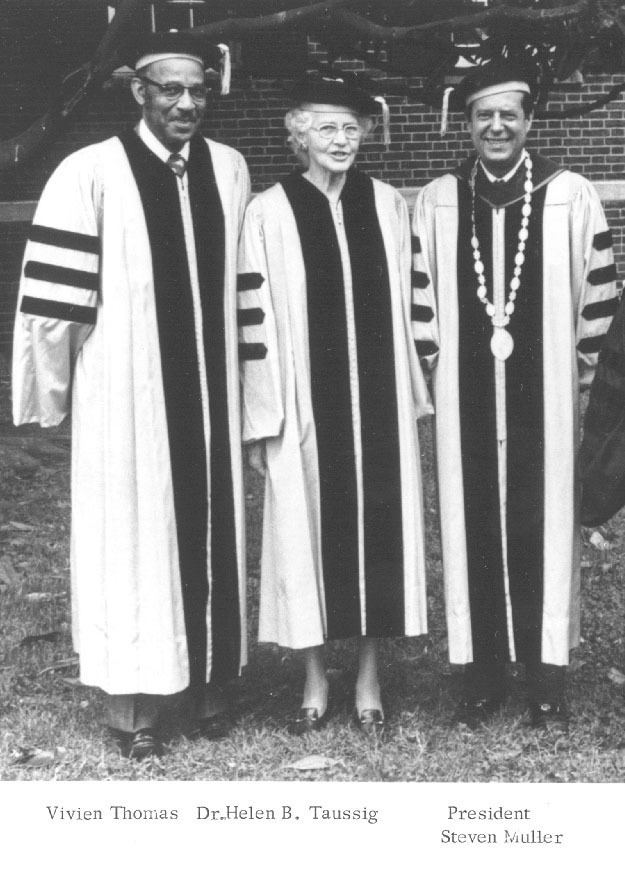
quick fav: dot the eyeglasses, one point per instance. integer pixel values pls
(330, 131)
(174, 90)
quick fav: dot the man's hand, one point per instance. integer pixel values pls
(600, 537)
(256, 457)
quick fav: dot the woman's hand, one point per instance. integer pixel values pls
(256, 458)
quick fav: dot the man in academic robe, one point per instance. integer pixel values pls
(127, 317)
(514, 289)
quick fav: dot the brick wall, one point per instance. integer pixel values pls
(251, 120)
(615, 215)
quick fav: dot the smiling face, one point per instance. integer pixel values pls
(499, 129)
(333, 154)
(173, 122)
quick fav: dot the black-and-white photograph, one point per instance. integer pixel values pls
(312, 397)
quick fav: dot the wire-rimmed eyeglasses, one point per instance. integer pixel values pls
(330, 131)
(174, 90)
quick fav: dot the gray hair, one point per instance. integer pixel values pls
(298, 120)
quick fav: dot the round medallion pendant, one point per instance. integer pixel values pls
(501, 344)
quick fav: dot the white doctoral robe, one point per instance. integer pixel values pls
(578, 298)
(90, 346)
(277, 407)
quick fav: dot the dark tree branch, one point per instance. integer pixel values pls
(90, 78)
(332, 12)
(584, 108)
(350, 27)
(296, 19)
(505, 12)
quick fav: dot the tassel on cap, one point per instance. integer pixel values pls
(445, 109)
(226, 68)
(386, 120)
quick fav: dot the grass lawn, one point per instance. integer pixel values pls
(42, 706)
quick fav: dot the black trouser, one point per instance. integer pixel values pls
(135, 711)
(486, 679)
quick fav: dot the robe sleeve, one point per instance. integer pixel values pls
(594, 278)
(420, 394)
(602, 453)
(244, 188)
(58, 296)
(424, 311)
(262, 411)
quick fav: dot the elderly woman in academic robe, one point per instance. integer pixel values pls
(332, 389)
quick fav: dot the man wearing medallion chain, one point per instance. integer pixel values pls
(514, 289)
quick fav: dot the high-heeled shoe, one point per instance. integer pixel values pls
(308, 720)
(369, 721)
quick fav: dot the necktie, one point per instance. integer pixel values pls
(177, 163)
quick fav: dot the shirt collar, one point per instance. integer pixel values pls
(155, 145)
(509, 174)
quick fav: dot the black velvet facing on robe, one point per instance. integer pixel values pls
(384, 551)
(525, 456)
(332, 410)
(181, 382)
(208, 225)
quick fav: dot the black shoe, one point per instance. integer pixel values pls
(369, 721)
(308, 720)
(473, 712)
(214, 727)
(144, 744)
(549, 715)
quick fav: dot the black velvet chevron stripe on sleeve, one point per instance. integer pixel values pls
(66, 276)
(420, 280)
(58, 310)
(588, 345)
(250, 316)
(252, 351)
(248, 281)
(600, 309)
(601, 275)
(425, 347)
(602, 240)
(64, 239)
(421, 313)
